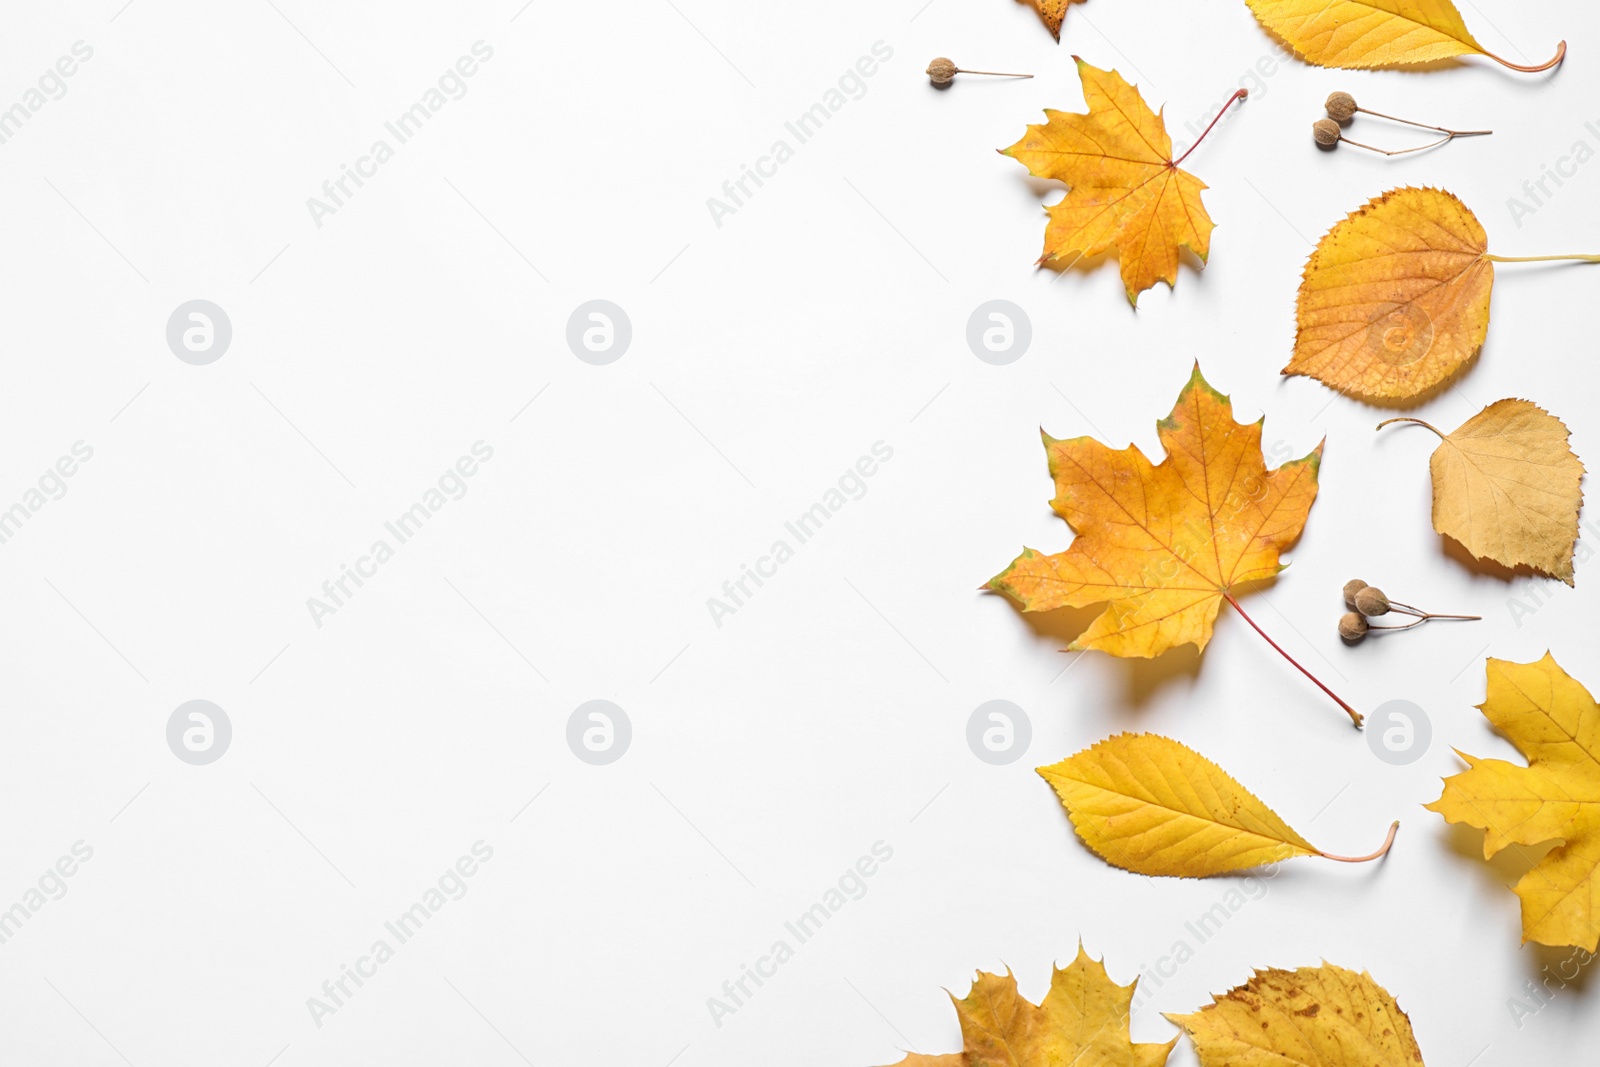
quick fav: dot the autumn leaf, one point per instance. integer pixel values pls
(1507, 485)
(1162, 546)
(1325, 1015)
(1052, 11)
(1150, 805)
(1377, 33)
(1395, 298)
(1554, 722)
(1082, 1021)
(1125, 190)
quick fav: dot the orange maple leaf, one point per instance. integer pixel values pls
(1163, 545)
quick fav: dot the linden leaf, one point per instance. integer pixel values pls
(1163, 545)
(1052, 11)
(1082, 1021)
(1125, 191)
(1395, 299)
(1376, 33)
(1324, 1015)
(1150, 805)
(1507, 485)
(1554, 722)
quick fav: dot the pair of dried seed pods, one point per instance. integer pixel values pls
(1370, 602)
(1342, 107)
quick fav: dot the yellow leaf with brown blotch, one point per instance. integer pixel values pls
(1052, 12)
(1315, 1016)
(1507, 485)
(1395, 299)
(1376, 33)
(1125, 191)
(1150, 805)
(1082, 1021)
(1553, 721)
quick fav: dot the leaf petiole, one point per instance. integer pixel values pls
(1355, 716)
(1584, 257)
(1239, 94)
(1387, 842)
(1561, 53)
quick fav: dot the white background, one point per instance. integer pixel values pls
(768, 354)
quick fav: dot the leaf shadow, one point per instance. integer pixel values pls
(1143, 679)
(1486, 568)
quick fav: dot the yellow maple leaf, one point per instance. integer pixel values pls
(1377, 33)
(1554, 722)
(1082, 1021)
(1163, 545)
(1125, 190)
(1507, 485)
(1052, 12)
(1150, 805)
(1324, 1015)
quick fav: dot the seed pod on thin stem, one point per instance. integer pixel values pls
(1327, 134)
(941, 72)
(1342, 107)
(1351, 588)
(1371, 602)
(1352, 626)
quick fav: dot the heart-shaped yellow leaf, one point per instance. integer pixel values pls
(1507, 485)
(1148, 804)
(1395, 299)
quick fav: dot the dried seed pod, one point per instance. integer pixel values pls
(942, 71)
(1371, 602)
(1326, 132)
(1352, 627)
(1351, 588)
(1341, 107)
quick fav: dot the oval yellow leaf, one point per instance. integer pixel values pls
(1325, 1015)
(1376, 33)
(1395, 299)
(1507, 485)
(1148, 804)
